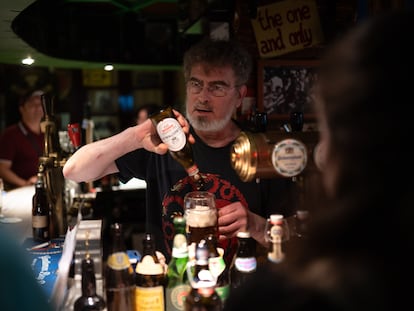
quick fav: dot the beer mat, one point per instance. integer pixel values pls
(44, 259)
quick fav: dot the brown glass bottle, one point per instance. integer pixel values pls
(90, 300)
(40, 211)
(119, 275)
(148, 247)
(150, 281)
(202, 296)
(244, 262)
(172, 134)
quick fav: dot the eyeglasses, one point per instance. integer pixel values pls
(217, 90)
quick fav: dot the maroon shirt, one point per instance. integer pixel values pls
(22, 147)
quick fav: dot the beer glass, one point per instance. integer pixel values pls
(201, 215)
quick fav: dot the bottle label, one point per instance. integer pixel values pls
(176, 296)
(149, 298)
(118, 261)
(180, 249)
(172, 134)
(216, 265)
(248, 264)
(40, 221)
(289, 157)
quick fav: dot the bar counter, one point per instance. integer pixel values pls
(17, 211)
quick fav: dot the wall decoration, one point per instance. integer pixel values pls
(284, 85)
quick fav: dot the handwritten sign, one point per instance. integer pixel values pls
(286, 26)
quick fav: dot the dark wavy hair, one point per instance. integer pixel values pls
(219, 53)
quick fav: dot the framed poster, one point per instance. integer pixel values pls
(104, 101)
(283, 87)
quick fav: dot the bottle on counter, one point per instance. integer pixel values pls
(178, 285)
(218, 268)
(150, 279)
(119, 275)
(40, 211)
(202, 295)
(148, 247)
(172, 134)
(244, 263)
(277, 232)
(90, 300)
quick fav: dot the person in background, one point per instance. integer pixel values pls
(22, 144)
(144, 111)
(216, 73)
(356, 254)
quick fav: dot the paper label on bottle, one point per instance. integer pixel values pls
(248, 264)
(289, 157)
(40, 221)
(118, 261)
(149, 298)
(176, 296)
(216, 265)
(172, 134)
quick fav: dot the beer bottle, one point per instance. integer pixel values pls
(244, 263)
(40, 211)
(178, 284)
(89, 300)
(119, 275)
(148, 247)
(172, 134)
(276, 233)
(202, 295)
(150, 279)
(218, 268)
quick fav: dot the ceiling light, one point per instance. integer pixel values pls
(109, 67)
(28, 60)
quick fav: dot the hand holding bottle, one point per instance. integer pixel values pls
(161, 142)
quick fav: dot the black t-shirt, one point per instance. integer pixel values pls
(168, 182)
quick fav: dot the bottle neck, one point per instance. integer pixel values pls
(118, 244)
(88, 278)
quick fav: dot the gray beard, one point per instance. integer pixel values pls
(202, 124)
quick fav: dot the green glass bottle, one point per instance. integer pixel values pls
(218, 268)
(203, 295)
(178, 284)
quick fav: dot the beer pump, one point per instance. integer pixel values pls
(273, 154)
(289, 153)
(51, 163)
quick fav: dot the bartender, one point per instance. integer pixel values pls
(22, 144)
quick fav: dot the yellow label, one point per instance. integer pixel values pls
(149, 298)
(118, 261)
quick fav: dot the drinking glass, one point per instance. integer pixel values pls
(200, 213)
(276, 233)
(276, 229)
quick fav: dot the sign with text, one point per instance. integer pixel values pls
(286, 26)
(97, 77)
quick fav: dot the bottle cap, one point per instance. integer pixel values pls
(243, 234)
(274, 218)
(149, 267)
